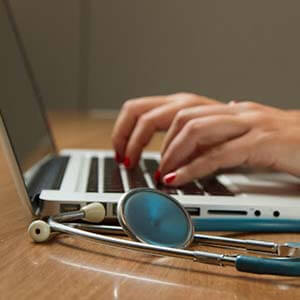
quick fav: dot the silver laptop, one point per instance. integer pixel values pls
(49, 182)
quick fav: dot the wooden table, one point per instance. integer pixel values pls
(69, 268)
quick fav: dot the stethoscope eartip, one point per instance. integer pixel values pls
(39, 231)
(94, 212)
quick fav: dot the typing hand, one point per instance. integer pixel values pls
(140, 118)
(204, 139)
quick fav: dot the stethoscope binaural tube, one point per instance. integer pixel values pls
(252, 264)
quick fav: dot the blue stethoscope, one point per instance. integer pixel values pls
(161, 226)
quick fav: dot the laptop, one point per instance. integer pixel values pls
(49, 182)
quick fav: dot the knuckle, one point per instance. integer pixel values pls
(263, 120)
(250, 105)
(144, 120)
(129, 105)
(183, 96)
(263, 139)
(181, 118)
(192, 127)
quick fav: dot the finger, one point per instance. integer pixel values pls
(128, 117)
(133, 109)
(185, 115)
(228, 155)
(199, 133)
(200, 100)
(150, 122)
(158, 118)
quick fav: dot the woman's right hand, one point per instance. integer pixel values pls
(140, 118)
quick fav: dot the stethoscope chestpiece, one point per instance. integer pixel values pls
(153, 217)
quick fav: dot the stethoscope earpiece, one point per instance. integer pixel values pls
(94, 212)
(39, 231)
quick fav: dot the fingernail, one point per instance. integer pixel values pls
(118, 157)
(169, 177)
(126, 162)
(157, 175)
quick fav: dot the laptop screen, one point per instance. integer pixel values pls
(19, 100)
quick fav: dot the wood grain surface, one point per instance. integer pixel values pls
(70, 268)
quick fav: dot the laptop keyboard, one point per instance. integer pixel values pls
(136, 178)
(49, 175)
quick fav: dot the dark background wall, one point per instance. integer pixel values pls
(91, 54)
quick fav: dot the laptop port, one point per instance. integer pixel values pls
(276, 213)
(115, 212)
(69, 207)
(193, 211)
(227, 212)
(257, 213)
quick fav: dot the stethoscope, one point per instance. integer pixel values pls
(160, 225)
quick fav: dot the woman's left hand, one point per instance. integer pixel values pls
(204, 139)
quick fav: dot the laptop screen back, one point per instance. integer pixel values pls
(19, 97)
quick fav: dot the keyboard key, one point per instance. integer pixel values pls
(92, 185)
(213, 187)
(112, 177)
(151, 165)
(58, 167)
(136, 178)
(191, 189)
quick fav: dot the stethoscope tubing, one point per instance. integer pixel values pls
(255, 246)
(251, 264)
(206, 257)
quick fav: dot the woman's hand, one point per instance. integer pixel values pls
(140, 118)
(204, 139)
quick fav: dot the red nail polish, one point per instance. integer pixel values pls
(169, 177)
(118, 157)
(126, 162)
(157, 175)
